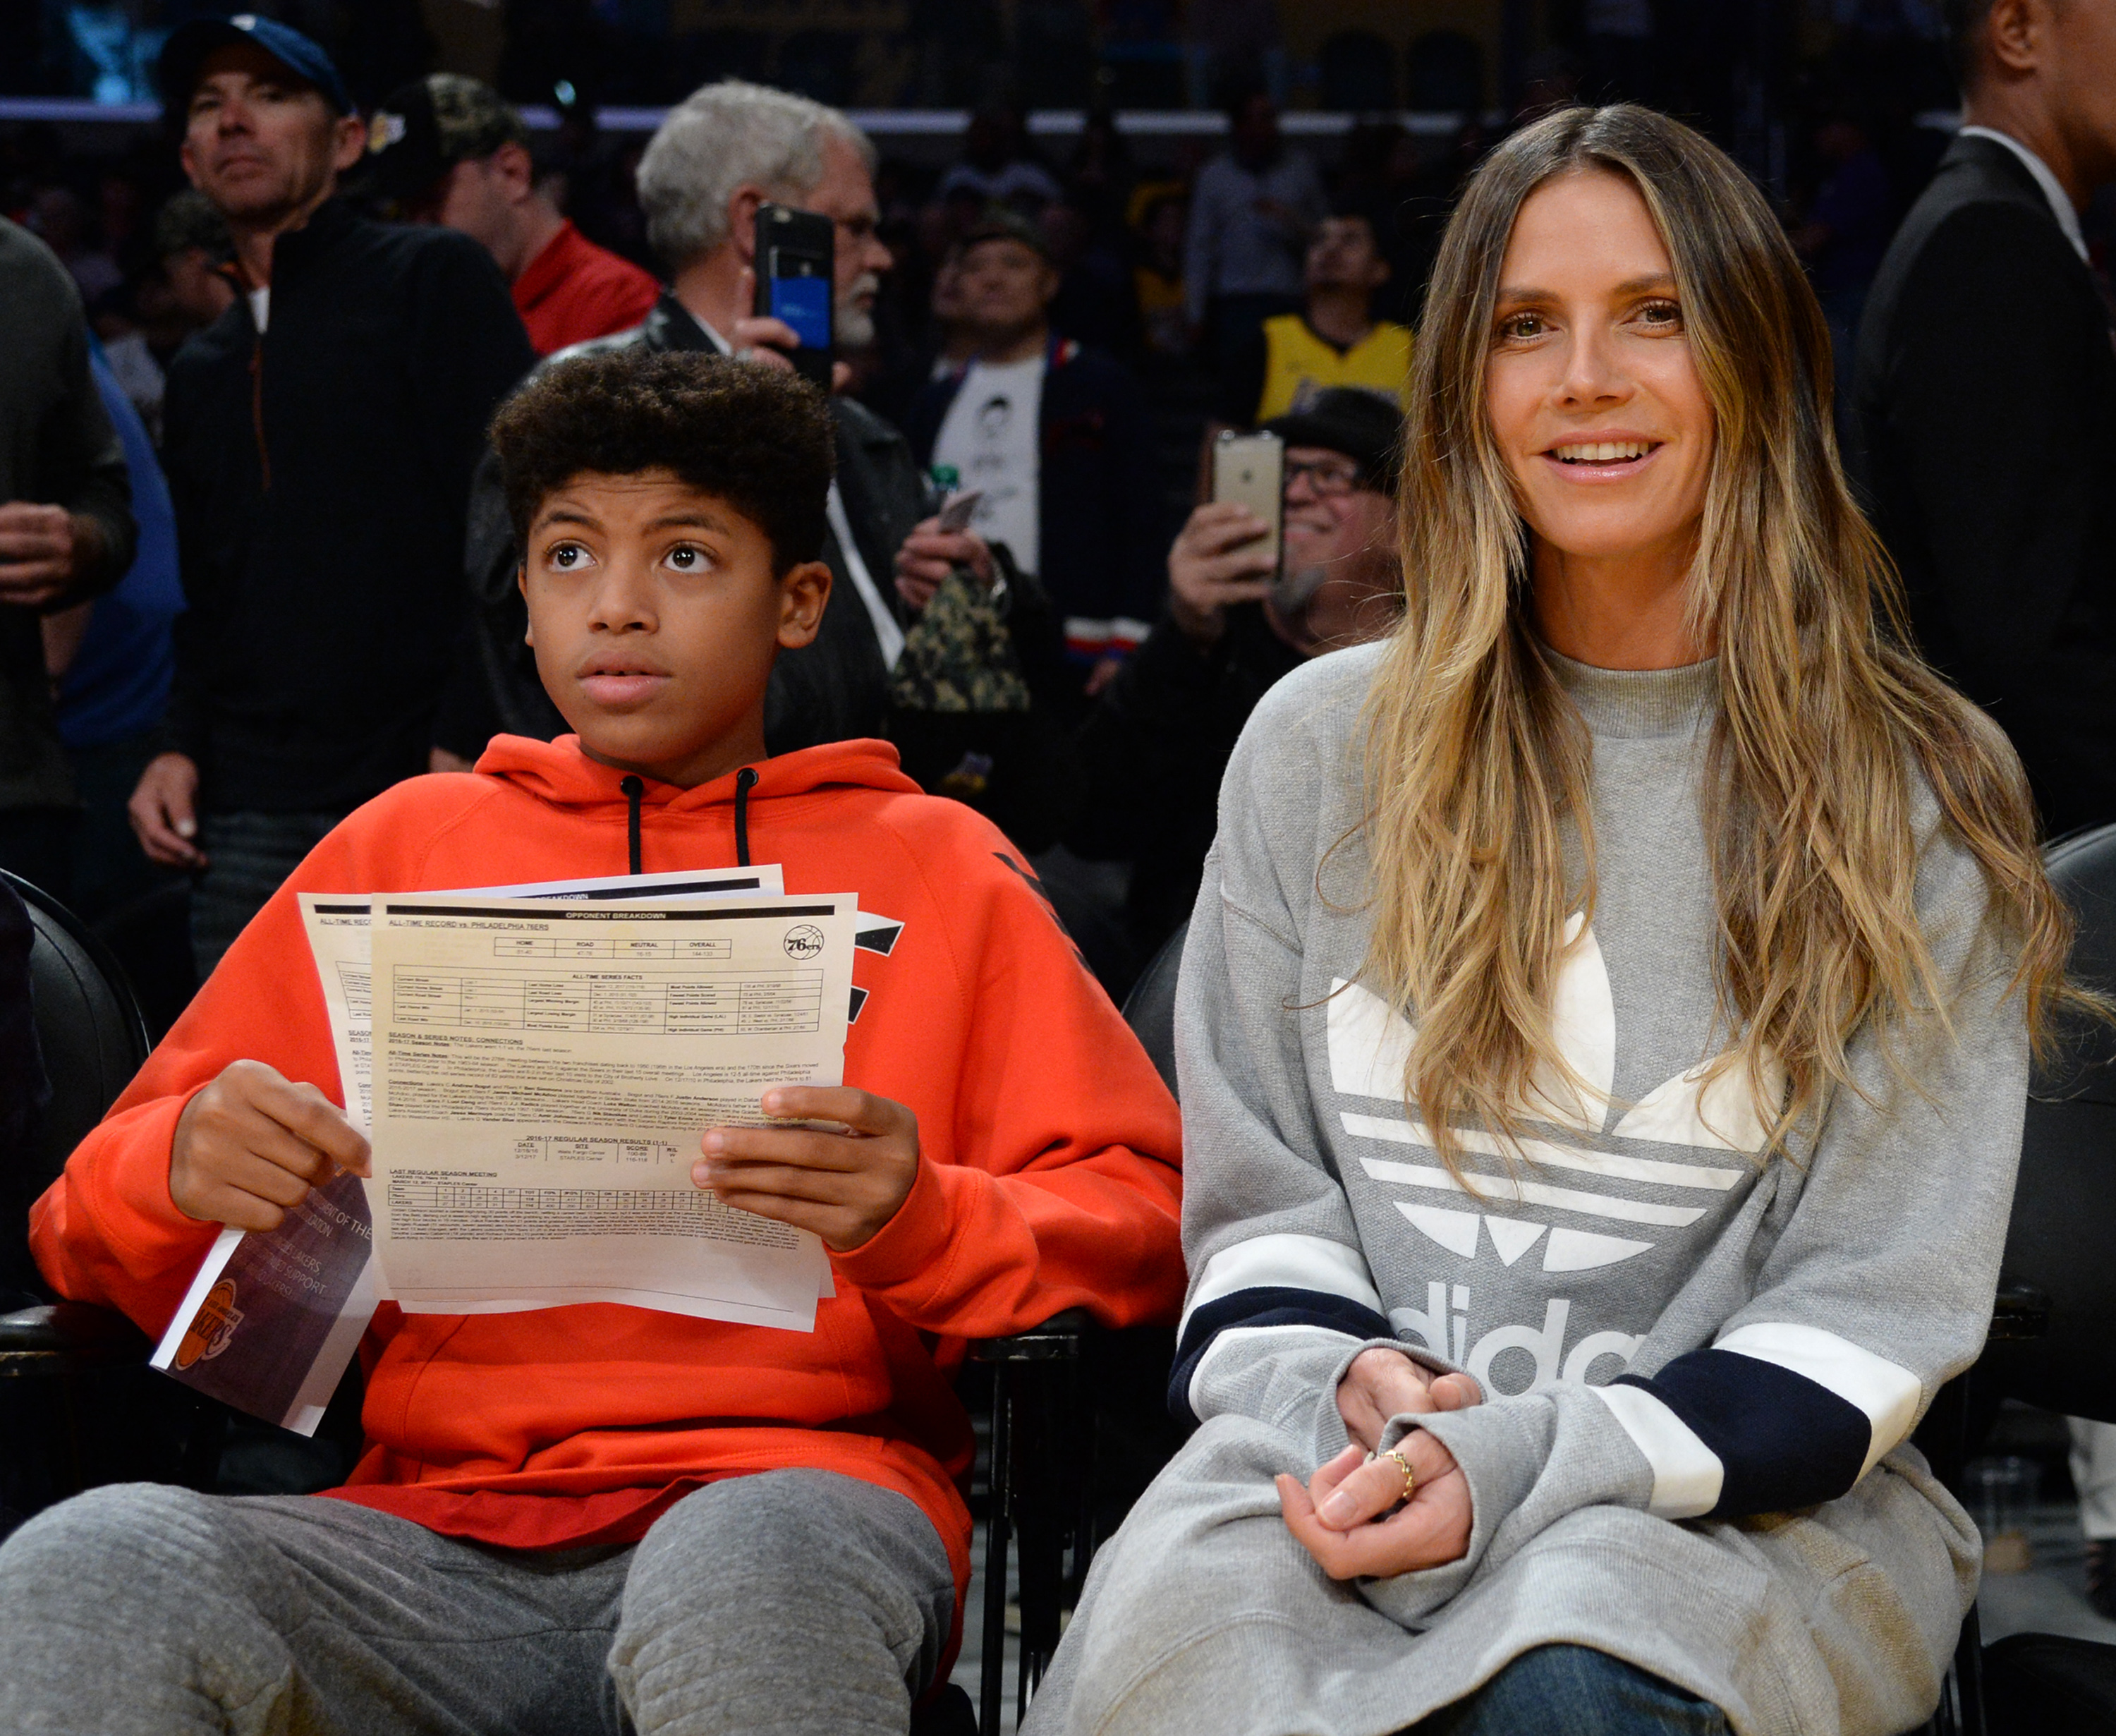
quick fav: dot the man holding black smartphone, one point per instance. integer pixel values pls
(720, 157)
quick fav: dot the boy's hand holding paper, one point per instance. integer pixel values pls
(253, 1143)
(844, 1186)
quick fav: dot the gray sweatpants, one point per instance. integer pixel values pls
(787, 1601)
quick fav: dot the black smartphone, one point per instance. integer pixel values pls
(796, 280)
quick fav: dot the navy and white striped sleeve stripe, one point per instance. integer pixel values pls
(1773, 1417)
(1272, 1284)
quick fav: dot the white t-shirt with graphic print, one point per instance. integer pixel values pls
(990, 435)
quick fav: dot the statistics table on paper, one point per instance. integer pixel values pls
(665, 994)
(543, 1073)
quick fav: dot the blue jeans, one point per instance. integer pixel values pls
(1576, 1691)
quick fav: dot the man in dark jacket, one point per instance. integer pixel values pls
(1058, 440)
(1985, 399)
(321, 438)
(1157, 744)
(65, 533)
(720, 154)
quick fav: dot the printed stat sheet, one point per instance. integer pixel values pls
(543, 1072)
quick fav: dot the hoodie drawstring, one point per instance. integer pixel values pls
(745, 781)
(633, 789)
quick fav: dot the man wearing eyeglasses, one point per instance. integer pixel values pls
(722, 152)
(1158, 741)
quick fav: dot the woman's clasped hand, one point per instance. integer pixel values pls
(1352, 1516)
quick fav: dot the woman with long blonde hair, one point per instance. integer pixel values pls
(1604, 1034)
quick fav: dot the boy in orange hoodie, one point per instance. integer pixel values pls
(567, 1517)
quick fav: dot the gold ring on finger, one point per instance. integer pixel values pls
(1410, 1476)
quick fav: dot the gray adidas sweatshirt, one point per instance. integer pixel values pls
(1692, 1363)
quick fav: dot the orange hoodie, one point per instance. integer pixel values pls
(1048, 1178)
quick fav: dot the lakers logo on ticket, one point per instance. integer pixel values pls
(212, 1328)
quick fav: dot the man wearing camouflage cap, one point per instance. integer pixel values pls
(452, 151)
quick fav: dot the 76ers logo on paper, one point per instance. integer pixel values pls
(212, 1328)
(805, 942)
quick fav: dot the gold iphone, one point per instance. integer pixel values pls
(1250, 469)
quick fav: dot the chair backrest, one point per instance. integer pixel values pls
(2058, 1248)
(1150, 1008)
(88, 1027)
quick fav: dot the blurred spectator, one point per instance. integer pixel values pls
(1250, 214)
(318, 443)
(1421, 195)
(190, 287)
(1844, 234)
(112, 662)
(61, 221)
(591, 176)
(1334, 340)
(130, 360)
(1094, 301)
(1156, 743)
(181, 287)
(65, 533)
(1985, 410)
(718, 155)
(1098, 181)
(998, 166)
(946, 344)
(1159, 212)
(955, 336)
(450, 151)
(1233, 44)
(1057, 439)
(119, 204)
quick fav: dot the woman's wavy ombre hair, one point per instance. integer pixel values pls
(1826, 726)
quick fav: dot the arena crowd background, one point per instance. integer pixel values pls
(1093, 119)
(1840, 107)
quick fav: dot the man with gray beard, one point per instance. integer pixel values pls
(1156, 743)
(721, 153)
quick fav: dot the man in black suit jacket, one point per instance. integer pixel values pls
(1984, 406)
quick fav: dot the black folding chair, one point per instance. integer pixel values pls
(1045, 1446)
(93, 1040)
(2053, 1341)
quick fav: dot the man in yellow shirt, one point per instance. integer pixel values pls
(1334, 340)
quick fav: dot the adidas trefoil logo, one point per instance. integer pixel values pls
(1369, 1044)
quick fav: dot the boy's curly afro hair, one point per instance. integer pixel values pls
(759, 438)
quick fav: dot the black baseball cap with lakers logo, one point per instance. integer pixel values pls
(422, 130)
